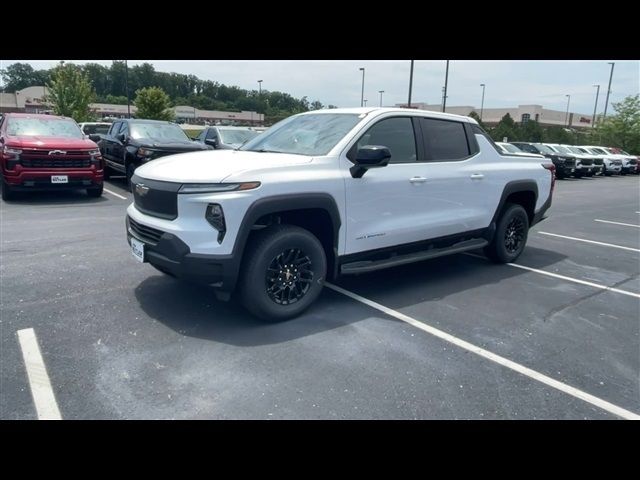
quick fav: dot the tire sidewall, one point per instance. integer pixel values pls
(255, 296)
(500, 249)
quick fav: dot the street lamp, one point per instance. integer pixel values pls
(126, 87)
(446, 83)
(410, 85)
(566, 117)
(482, 103)
(380, 92)
(260, 88)
(593, 120)
(606, 102)
(362, 94)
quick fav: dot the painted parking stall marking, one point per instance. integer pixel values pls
(616, 223)
(115, 194)
(590, 241)
(41, 390)
(505, 362)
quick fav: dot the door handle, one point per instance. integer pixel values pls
(477, 176)
(417, 179)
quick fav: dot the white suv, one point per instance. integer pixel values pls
(331, 192)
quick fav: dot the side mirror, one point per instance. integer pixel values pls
(121, 137)
(95, 137)
(212, 141)
(370, 156)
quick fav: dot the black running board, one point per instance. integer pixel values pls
(371, 265)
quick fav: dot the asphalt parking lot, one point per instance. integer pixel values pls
(556, 336)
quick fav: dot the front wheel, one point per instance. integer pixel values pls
(7, 193)
(283, 273)
(511, 235)
(95, 192)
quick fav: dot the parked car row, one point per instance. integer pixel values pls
(578, 161)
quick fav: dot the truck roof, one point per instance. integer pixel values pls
(368, 110)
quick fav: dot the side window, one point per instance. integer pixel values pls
(396, 134)
(124, 129)
(211, 134)
(444, 140)
(114, 129)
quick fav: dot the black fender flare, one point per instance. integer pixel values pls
(514, 186)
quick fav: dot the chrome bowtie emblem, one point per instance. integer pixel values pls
(57, 152)
(141, 189)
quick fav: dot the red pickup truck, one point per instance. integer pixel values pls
(47, 152)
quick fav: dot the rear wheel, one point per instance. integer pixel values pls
(283, 272)
(511, 235)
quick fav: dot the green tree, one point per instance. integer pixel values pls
(70, 92)
(476, 117)
(316, 105)
(154, 104)
(530, 131)
(506, 127)
(558, 135)
(22, 75)
(622, 129)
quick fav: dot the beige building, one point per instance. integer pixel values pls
(30, 100)
(521, 113)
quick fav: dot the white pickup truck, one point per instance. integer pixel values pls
(333, 192)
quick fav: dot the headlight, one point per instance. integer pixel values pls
(215, 217)
(11, 151)
(217, 187)
(144, 152)
(12, 157)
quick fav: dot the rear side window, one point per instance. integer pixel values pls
(396, 134)
(114, 129)
(444, 140)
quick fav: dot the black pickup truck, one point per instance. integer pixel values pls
(133, 142)
(565, 164)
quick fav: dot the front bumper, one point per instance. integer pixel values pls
(170, 254)
(27, 180)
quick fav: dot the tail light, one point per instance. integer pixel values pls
(552, 168)
(11, 157)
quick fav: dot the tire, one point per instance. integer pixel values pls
(272, 249)
(95, 192)
(502, 249)
(129, 173)
(7, 193)
(604, 171)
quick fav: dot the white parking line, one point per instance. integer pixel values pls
(616, 223)
(563, 387)
(563, 277)
(591, 241)
(43, 397)
(115, 194)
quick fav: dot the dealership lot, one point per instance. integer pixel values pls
(121, 340)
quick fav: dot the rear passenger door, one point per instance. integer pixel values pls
(457, 193)
(108, 141)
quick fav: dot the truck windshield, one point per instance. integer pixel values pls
(159, 131)
(543, 148)
(510, 148)
(50, 127)
(310, 134)
(562, 149)
(232, 136)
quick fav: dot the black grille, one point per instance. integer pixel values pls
(586, 161)
(55, 162)
(158, 199)
(569, 162)
(597, 161)
(633, 162)
(144, 233)
(616, 162)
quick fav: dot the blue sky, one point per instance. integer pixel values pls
(508, 83)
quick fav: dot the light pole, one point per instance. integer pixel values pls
(606, 102)
(362, 94)
(566, 117)
(410, 85)
(446, 82)
(126, 87)
(380, 92)
(482, 103)
(365, 102)
(259, 88)
(595, 107)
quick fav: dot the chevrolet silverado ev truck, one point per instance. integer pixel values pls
(47, 152)
(329, 193)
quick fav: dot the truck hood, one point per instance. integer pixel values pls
(213, 166)
(174, 146)
(59, 143)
